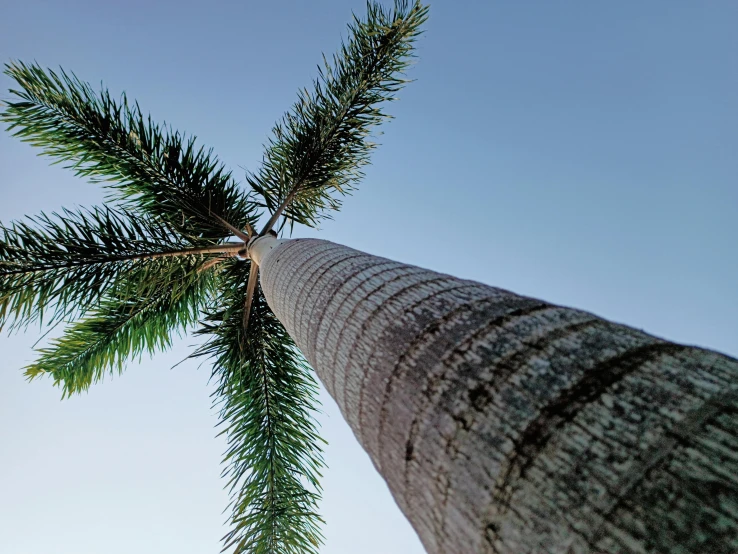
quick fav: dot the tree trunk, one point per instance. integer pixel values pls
(502, 423)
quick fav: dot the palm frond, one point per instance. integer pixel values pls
(70, 260)
(152, 168)
(265, 394)
(321, 145)
(136, 317)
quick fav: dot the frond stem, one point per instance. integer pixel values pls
(235, 230)
(279, 210)
(250, 288)
(232, 248)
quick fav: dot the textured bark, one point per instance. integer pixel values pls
(502, 423)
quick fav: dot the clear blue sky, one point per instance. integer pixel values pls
(581, 152)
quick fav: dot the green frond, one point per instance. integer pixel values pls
(265, 395)
(319, 148)
(69, 260)
(154, 169)
(134, 318)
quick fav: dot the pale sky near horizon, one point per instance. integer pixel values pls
(585, 153)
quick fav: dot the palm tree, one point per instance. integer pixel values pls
(501, 423)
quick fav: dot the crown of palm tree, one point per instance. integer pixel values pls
(160, 258)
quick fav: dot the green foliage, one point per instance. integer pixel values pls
(265, 394)
(158, 171)
(138, 316)
(126, 278)
(69, 260)
(320, 146)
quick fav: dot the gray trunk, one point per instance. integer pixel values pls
(502, 423)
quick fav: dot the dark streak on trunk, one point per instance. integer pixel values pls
(564, 409)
